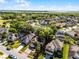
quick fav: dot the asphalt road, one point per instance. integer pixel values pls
(13, 52)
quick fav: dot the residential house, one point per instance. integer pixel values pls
(0, 36)
(54, 45)
(71, 33)
(43, 22)
(3, 30)
(70, 22)
(32, 46)
(47, 21)
(74, 52)
(28, 38)
(60, 35)
(12, 37)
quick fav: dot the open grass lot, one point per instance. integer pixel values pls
(1, 53)
(65, 51)
(41, 57)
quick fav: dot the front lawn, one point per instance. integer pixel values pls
(65, 51)
(16, 44)
(24, 48)
(12, 45)
(8, 57)
(31, 55)
(41, 57)
(1, 53)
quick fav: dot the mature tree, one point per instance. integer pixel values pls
(45, 35)
(22, 26)
(13, 30)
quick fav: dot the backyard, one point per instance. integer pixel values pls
(65, 51)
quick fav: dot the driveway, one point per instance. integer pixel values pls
(20, 47)
(3, 56)
(27, 51)
(13, 52)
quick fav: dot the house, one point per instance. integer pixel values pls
(28, 38)
(60, 35)
(54, 45)
(70, 22)
(76, 56)
(50, 48)
(3, 30)
(71, 33)
(47, 21)
(74, 52)
(43, 22)
(61, 24)
(12, 37)
(32, 46)
(0, 36)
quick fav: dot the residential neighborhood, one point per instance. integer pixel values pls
(23, 37)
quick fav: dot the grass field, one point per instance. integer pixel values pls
(65, 51)
(1, 53)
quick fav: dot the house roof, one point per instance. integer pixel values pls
(55, 44)
(76, 56)
(28, 38)
(2, 30)
(74, 48)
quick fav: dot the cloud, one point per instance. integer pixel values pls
(22, 4)
(28, 5)
(2, 2)
(57, 8)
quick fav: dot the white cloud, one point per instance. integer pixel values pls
(27, 5)
(2, 2)
(22, 4)
(57, 8)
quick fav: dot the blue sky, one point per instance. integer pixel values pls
(65, 5)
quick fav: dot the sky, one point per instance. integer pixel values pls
(49, 5)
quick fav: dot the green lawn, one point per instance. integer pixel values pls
(8, 57)
(24, 48)
(16, 44)
(1, 53)
(41, 57)
(2, 21)
(65, 51)
(31, 55)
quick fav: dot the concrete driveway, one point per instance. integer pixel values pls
(13, 52)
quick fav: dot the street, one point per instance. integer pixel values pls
(13, 52)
